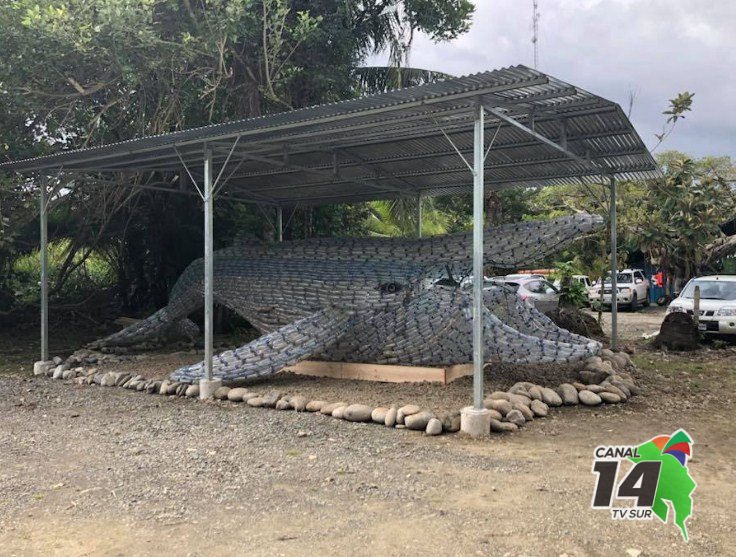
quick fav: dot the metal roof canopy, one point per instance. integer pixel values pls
(412, 142)
(403, 143)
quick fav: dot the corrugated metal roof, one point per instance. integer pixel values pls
(393, 144)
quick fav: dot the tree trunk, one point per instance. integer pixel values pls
(493, 209)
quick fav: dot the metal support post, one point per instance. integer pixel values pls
(614, 269)
(476, 420)
(420, 210)
(478, 354)
(44, 272)
(208, 385)
(280, 224)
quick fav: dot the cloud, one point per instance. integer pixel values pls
(654, 48)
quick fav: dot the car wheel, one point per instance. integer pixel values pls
(634, 303)
(646, 300)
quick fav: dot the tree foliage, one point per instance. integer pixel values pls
(79, 73)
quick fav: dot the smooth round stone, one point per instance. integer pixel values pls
(499, 405)
(595, 388)
(519, 399)
(390, 420)
(450, 421)
(569, 394)
(418, 421)
(525, 411)
(109, 379)
(498, 395)
(327, 409)
(519, 389)
(589, 398)
(616, 391)
(624, 388)
(339, 412)
(271, 398)
(495, 414)
(516, 417)
(502, 427)
(406, 410)
(379, 415)
(434, 427)
(192, 391)
(579, 386)
(236, 394)
(221, 393)
(535, 392)
(550, 398)
(314, 405)
(299, 403)
(283, 404)
(539, 408)
(163, 388)
(592, 376)
(358, 413)
(609, 398)
(255, 402)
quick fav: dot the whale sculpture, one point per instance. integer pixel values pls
(371, 300)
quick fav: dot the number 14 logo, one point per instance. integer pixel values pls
(639, 484)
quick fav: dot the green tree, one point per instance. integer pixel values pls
(78, 73)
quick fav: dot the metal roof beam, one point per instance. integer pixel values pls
(364, 182)
(501, 116)
(436, 171)
(382, 137)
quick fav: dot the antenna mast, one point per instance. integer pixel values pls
(535, 32)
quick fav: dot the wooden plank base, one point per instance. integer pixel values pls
(379, 372)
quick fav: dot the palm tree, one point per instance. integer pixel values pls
(398, 217)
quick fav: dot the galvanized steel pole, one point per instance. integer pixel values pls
(614, 269)
(280, 224)
(478, 355)
(208, 265)
(44, 272)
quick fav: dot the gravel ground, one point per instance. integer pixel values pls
(96, 471)
(88, 471)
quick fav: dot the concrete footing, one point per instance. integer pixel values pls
(475, 422)
(41, 367)
(207, 388)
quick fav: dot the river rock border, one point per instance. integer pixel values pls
(603, 380)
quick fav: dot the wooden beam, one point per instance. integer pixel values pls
(383, 373)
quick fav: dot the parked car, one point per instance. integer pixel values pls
(536, 291)
(519, 276)
(717, 303)
(632, 290)
(582, 279)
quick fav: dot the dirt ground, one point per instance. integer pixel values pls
(632, 325)
(102, 471)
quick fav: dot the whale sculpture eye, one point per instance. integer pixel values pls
(389, 288)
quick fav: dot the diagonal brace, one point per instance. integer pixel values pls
(501, 116)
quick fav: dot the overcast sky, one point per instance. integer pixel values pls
(655, 48)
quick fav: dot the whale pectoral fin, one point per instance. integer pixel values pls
(271, 353)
